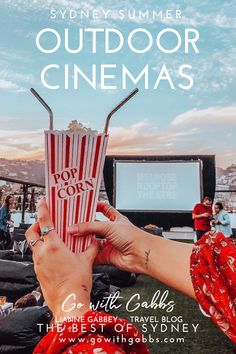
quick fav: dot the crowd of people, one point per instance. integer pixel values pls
(205, 219)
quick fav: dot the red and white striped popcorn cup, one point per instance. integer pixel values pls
(73, 171)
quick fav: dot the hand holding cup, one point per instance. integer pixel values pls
(59, 271)
(123, 242)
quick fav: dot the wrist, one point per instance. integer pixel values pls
(144, 246)
(71, 305)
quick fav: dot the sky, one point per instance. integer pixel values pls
(201, 120)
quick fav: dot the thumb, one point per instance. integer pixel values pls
(92, 250)
(44, 218)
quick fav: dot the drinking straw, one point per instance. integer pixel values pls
(39, 98)
(126, 99)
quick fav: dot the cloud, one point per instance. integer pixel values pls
(209, 76)
(10, 78)
(193, 132)
(144, 138)
(9, 85)
(211, 117)
(198, 131)
(215, 74)
(20, 143)
(141, 137)
(17, 154)
(10, 74)
(191, 16)
(18, 124)
(11, 55)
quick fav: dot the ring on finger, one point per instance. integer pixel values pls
(32, 243)
(46, 229)
(108, 209)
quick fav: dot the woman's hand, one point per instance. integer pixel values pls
(124, 244)
(131, 249)
(62, 274)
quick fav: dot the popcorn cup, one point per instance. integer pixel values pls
(74, 163)
(73, 171)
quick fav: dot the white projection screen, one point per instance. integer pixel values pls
(157, 186)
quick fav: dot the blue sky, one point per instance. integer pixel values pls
(162, 121)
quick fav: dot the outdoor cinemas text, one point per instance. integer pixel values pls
(114, 40)
(67, 188)
(109, 41)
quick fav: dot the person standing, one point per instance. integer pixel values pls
(5, 221)
(202, 215)
(221, 220)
